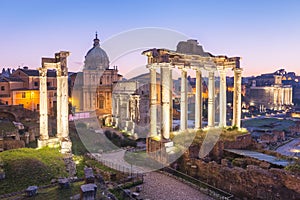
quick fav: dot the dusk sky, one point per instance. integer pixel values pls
(265, 33)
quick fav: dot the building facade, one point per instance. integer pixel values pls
(268, 92)
(92, 89)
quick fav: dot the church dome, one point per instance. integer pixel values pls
(96, 57)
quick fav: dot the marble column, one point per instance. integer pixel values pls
(153, 102)
(237, 98)
(223, 101)
(171, 103)
(275, 94)
(128, 108)
(211, 98)
(183, 100)
(291, 96)
(198, 100)
(43, 105)
(58, 103)
(64, 106)
(166, 74)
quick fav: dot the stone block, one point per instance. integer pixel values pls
(88, 191)
(31, 191)
(64, 183)
(89, 175)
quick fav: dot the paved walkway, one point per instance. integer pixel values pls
(159, 186)
(290, 148)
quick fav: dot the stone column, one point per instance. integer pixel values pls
(198, 100)
(165, 91)
(43, 107)
(64, 106)
(153, 101)
(118, 111)
(128, 108)
(171, 103)
(291, 96)
(58, 103)
(275, 97)
(211, 98)
(223, 102)
(237, 98)
(183, 100)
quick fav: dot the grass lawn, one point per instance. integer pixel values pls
(24, 167)
(269, 123)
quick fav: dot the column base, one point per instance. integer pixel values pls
(42, 143)
(159, 149)
(51, 142)
(66, 147)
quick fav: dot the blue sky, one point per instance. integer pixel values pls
(265, 33)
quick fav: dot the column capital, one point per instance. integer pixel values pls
(210, 68)
(152, 66)
(197, 67)
(166, 65)
(182, 68)
(42, 71)
(221, 68)
(238, 70)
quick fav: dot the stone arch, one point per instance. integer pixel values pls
(9, 115)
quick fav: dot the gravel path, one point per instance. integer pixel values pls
(158, 186)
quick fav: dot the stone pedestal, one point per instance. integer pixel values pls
(88, 192)
(42, 143)
(66, 146)
(89, 175)
(64, 183)
(31, 191)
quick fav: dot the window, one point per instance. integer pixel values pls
(6, 102)
(38, 106)
(2, 88)
(101, 104)
(36, 83)
(48, 84)
(23, 95)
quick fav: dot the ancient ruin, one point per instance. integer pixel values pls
(59, 63)
(190, 55)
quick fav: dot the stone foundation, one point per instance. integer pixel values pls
(251, 182)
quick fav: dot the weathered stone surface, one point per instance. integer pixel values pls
(31, 191)
(88, 191)
(89, 175)
(64, 183)
(252, 182)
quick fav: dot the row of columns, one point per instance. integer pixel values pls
(166, 101)
(166, 76)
